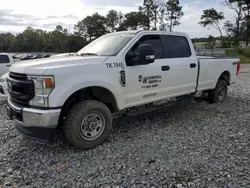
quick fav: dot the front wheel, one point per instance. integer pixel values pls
(88, 124)
(219, 93)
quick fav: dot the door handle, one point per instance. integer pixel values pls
(7, 65)
(165, 68)
(192, 65)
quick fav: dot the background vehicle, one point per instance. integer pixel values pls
(46, 55)
(26, 57)
(112, 75)
(6, 60)
(3, 85)
(36, 56)
(64, 54)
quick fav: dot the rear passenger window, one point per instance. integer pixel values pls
(154, 41)
(176, 46)
(4, 59)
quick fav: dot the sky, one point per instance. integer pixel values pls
(16, 15)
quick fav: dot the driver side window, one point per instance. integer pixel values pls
(154, 41)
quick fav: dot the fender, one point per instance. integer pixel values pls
(64, 90)
(224, 72)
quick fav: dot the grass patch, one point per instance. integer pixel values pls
(242, 53)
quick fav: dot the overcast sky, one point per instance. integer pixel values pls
(16, 15)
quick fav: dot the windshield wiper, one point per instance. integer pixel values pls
(88, 54)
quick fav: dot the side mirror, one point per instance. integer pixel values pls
(131, 55)
(146, 54)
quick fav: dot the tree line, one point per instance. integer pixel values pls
(151, 15)
(236, 31)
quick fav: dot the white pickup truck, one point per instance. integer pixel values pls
(115, 73)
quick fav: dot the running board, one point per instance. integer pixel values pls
(151, 108)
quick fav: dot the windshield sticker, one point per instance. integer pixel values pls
(114, 65)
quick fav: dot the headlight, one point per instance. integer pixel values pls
(43, 86)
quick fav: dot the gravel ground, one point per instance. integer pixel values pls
(196, 145)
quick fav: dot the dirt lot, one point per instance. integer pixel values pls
(195, 145)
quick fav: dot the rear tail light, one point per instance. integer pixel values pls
(238, 68)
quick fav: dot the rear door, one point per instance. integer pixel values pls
(182, 76)
(4, 64)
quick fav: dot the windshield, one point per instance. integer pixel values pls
(107, 45)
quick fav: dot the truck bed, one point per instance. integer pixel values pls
(216, 57)
(211, 68)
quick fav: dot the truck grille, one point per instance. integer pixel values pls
(20, 88)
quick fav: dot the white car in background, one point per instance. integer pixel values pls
(3, 85)
(6, 60)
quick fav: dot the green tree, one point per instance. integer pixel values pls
(62, 30)
(213, 18)
(112, 19)
(230, 28)
(226, 42)
(147, 9)
(158, 6)
(234, 29)
(33, 40)
(37, 40)
(17, 44)
(56, 42)
(162, 17)
(211, 42)
(92, 26)
(173, 13)
(75, 43)
(6, 39)
(134, 20)
(152, 9)
(59, 28)
(246, 11)
(121, 24)
(242, 25)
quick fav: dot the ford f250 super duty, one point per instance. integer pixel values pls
(115, 73)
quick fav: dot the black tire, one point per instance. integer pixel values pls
(219, 93)
(73, 129)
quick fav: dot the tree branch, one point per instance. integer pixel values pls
(231, 7)
(219, 29)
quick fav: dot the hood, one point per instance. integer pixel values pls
(39, 66)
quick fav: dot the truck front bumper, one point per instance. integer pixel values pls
(33, 123)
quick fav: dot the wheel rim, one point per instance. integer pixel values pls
(221, 94)
(92, 126)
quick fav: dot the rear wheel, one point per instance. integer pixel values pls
(87, 124)
(219, 93)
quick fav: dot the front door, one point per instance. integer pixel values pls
(144, 82)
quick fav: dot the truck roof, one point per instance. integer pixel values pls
(151, 31)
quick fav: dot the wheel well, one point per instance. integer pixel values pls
(95, 93)
(225, 76)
